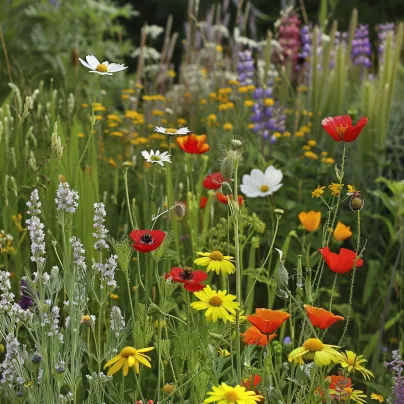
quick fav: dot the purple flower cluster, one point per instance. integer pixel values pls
(245, 68)
(341, 39)
(383, 30)
(306, 45)
(361, 47)
(266, 116)
(397, 367)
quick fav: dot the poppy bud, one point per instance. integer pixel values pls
(356, 203)
(227, 168)
(278, 355)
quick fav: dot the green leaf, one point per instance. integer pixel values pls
(371, 279)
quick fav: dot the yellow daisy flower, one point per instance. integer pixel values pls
(225, 394)
(314, 349)
(216, 261)
(318, 192)
(218, 305)
(128, 358)
(377, 397)
(353, 362)
(335, 188)
(356, 396)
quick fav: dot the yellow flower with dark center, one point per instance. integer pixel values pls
(335, 188)
(314, 349)
(377, 397)
(129, 357)
(218, 305)
(318, 192)
(353, 362)
(342, 232)
(216, 261)
(310, 220)
(225, 394)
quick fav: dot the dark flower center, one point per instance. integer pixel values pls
(146, 239)
(186, 274)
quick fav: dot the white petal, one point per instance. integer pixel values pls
(274, 175)
(92, 61)
(160, 129)
(114, 67)
(257, 176)
(145, 154)
(248, 180)
(160, 162)
(157, 153)
(274, 189)
(101, 73)
(106, 63)
(86, 64)
(249, 192)
(182, 131)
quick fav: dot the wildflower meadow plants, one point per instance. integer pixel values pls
(227, 261)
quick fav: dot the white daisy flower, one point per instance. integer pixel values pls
(171, 131)
(259, 184)
(104, 68)
(156, 157)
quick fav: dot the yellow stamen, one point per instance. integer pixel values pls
(231, 395)
(215, 301)
(264, 188)
(313, 344)
(171, 130)
(341, 130)
(102, 68)
(216, 256)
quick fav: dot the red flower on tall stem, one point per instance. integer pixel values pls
(193, 144)
(341, 128)
(223, 198)
(191, 279)
(267, 320)
(342, 262)
(321, 318)
(213, 181)
(147, 240)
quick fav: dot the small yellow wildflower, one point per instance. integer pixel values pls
(117, 134)
(335, 188)
(299, 133)
(111, 162)
(99, 117)
(171, 73)
(216, 261)
(250, 126)
(203, 101)
(129, 357)
(84, 105)
(219, 48)
(353, 362)
(113, 296)
(169, 388)
(286, 134)
(310, 155)
(268, 102)
(306, 147)
(81, 135)
(248, 103)
(228, 127)
(312, 143)
(223, 352)
(277, 134)
(213, 96)
(225, 394)
(351, 189)
(377, 397)
(329, 160)
(324, 153)
(243, 89)
(318, 191)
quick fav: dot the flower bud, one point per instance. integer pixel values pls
(168, 388)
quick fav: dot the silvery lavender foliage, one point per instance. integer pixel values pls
(397, 367)
(245, 68)
(107, 271)
(383, 30)
(34, 204)
(66, 199)
(51, 321)
(361, 48)
(100, 230)
(9, 374)
(117, 320)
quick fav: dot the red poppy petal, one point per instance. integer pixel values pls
(203, 202)
(213, 181)
(181, 141)
(199, 276)
(331, 125)
(193, 287)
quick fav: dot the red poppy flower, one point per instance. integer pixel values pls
(252, 382)
(267, 320)
(188, 277)
(340, 127)
(321, 318)
(342, 262)
(223, 198)
(203, 202)
(213, 181)
(193, 144)
(253, 336)
(147, 240)
(338, 381)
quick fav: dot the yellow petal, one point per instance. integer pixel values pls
(116, 367)
(112, 361)
(126, 367)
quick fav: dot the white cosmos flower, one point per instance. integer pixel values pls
(156, 157)
(261, 184)
(171, 131)
(101, 68)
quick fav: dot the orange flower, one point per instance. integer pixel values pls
(253, 336)
(193, 144)
(310, 220)
(342, 232)
(223, 198)
(267, 321)
(321, 318)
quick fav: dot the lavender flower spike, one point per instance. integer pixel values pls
(100, 230)
(66, 199)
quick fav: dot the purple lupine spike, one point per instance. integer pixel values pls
(397, 367)
(361, 47)
(383, 30)
(245, 68)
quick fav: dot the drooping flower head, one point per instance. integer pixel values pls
(191, 279)
(193, 144)
(104, 68)
(216, 261)
(147, 240)
(218, 305)
(321, 318)
(213, 181)
(310, 220)
(342, 262)
(341, 128)
(225, 394)
(253, 336)
(267, 320)
(259, 184)
(314, 349)
(156, 157)
(127, 358)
